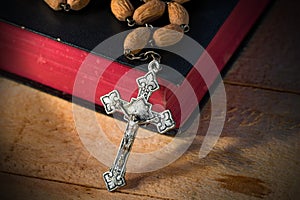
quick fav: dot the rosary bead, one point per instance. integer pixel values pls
(168, 35)
(77, 4)
(55, 4)
(67, 4)
(148, 12)
(136, 40)
(122, 9)
(177, 14)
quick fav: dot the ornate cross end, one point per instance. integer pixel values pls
(164, 121)
(147, 84)
(111, 102)
(113, 181)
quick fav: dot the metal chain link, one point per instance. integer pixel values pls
(142, 56)
(65, 6)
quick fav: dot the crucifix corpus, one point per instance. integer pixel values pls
(136, 112)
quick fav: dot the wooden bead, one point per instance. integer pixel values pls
(177, 14)
(55, 4)
(71, 4)
(122, 9)
(77, 4)
(137, 39)
(168, 35)
(148, 12)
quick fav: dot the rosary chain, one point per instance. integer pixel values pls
(142, 56)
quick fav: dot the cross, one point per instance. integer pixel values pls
(136, 112)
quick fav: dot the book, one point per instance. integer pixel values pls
(50, 48)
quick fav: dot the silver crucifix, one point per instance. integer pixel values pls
(136, 112)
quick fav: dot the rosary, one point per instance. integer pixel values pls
(138, 111)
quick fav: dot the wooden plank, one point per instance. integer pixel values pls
(271, 58)
(259, 142)
(20, 187)
(256, 157)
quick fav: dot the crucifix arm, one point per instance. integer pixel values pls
(112, 102)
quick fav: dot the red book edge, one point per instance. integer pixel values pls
(56, 65)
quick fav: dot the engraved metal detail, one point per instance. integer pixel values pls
(136, 112)
(147, 84)
(111, 101)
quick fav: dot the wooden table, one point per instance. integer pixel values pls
(257, 155)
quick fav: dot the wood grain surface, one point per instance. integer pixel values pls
(256, 157)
